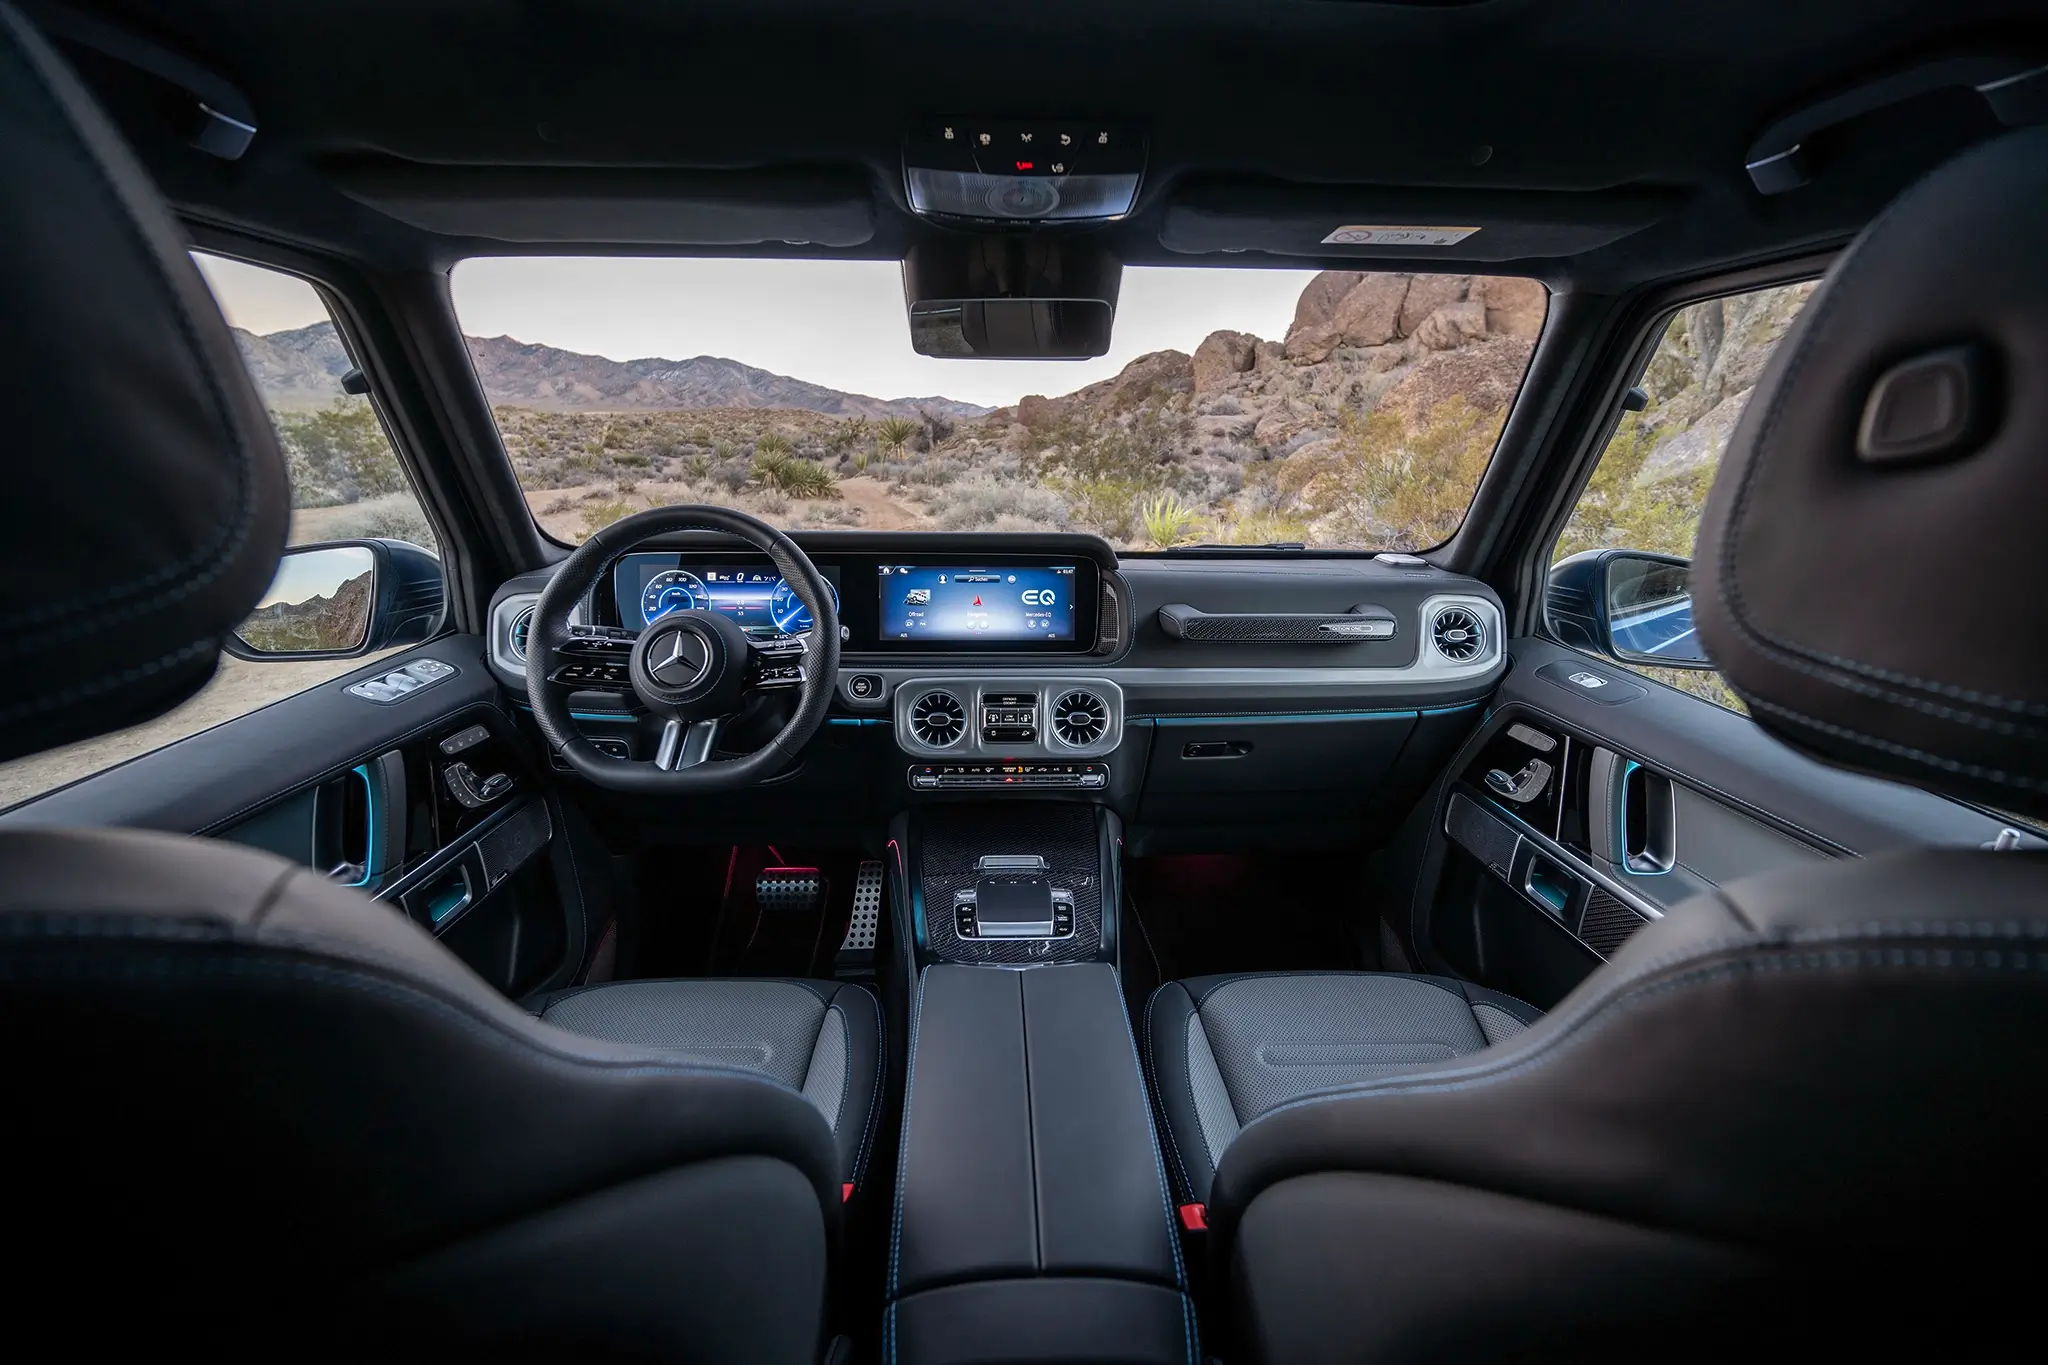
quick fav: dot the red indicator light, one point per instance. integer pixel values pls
(1026, 165)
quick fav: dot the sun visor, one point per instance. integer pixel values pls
(830, 207)
(1400, 224)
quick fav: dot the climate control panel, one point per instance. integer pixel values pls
(1009, 719)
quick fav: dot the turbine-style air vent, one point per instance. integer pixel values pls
(938, 719)
(522, 628)
(1458, 634)
(1079, 719)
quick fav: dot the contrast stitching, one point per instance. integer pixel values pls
(207, 561)
(860, 1157)
(1180, 1276)
(1730, 589)
(1911, 755)
(176, 971)
(903, 1143)
(1604, 1013)
(1159, 1093)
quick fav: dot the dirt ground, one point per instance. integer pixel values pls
(237, 689)
(560, 510)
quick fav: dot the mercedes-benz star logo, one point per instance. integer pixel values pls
(679, 659)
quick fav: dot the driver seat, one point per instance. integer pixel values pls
(244, 1101)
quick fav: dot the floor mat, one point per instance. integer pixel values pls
(1195, 914)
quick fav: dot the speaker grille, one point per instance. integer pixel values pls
(1608, 923)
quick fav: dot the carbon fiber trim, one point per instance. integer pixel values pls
(952, 839)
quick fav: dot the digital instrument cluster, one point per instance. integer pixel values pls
(650, 586)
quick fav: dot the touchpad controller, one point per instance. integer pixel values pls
(1013, 897)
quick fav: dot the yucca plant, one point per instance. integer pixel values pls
(804, 479)
(1166, 520)
(894, 434)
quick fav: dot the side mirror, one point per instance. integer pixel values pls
(1627, 604)
(344, 598)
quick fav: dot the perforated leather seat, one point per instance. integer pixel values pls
(1226, 1049)
(1803, 1109)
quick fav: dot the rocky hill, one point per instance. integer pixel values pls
(303, 369)
(318, 623)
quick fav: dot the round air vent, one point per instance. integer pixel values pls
(522, 627)
(1458, 634)
(938, 719)
(1079, 719)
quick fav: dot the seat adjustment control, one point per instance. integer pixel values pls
(470, 790)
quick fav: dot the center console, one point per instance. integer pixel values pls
(1008, 884)
(1032, 1219)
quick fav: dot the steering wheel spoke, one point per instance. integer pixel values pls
(686, 744)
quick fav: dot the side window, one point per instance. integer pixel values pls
(1648, 489)
(346, 482)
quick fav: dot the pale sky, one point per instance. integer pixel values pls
(836, 323)
(318, 573)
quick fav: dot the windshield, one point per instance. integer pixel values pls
(1338, 409)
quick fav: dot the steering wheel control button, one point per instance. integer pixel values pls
(864, 687)
(400, 683)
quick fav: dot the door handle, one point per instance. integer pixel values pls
(1216, 748)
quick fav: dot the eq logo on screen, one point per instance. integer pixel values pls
(1040, 597)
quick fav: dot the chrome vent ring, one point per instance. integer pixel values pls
(521, 632)
(1458, 634)
(1079, 718)
(938, 719)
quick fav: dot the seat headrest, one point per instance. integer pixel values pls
(1872, 568)
(148, 497)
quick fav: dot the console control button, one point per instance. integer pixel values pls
(864, 687)
(1007, 776)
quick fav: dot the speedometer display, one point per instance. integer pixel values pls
(648, 586)
(672, 590)
(788, 611)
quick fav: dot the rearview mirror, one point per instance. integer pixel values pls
(344, 598)
(1010, 298)
(1627, 604)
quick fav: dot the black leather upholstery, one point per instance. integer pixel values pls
(254, 1113)
(1887, 614)
(1803, 1108)
(822, 1039)
(151, 484)
(1031, 1219)
(229, 1070)
(1225, 1049)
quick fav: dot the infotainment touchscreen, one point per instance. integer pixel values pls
(965, 603)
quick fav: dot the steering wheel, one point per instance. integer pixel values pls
(693, 668)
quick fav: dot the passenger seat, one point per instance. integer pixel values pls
(1226, 1049)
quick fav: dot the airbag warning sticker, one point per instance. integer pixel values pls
(1386, 234)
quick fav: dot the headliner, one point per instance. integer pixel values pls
(410, 133)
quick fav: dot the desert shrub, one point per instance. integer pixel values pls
(1224, 405)
(337, 454)
(1167, 521)
(602, 513)
(802, 479)
(862, 458)
(633, 459)
(1389, 481)
(395, 516)
(1108, 505)
(732, 475)
(974, 503)
(772, 446)
(1268, 528)
(835, 514)
(697, 467)
(770, 503)
(937, 427)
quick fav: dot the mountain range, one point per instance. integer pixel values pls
(302, 368)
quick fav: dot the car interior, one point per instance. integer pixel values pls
(1504, 825)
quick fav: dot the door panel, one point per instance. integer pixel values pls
(1591, 802)
(433, 804)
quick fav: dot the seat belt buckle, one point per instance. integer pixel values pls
(1194, 1217)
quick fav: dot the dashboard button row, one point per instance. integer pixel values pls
(996, 776)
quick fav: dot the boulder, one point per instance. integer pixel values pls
(1514, 306)
(1426, 294)
(1367, 313)
(1320, 297)
(1039, 412)
(1150, 376)
(1222, 357)
(1451, 326)
(1269, 354)
(1485, 374)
